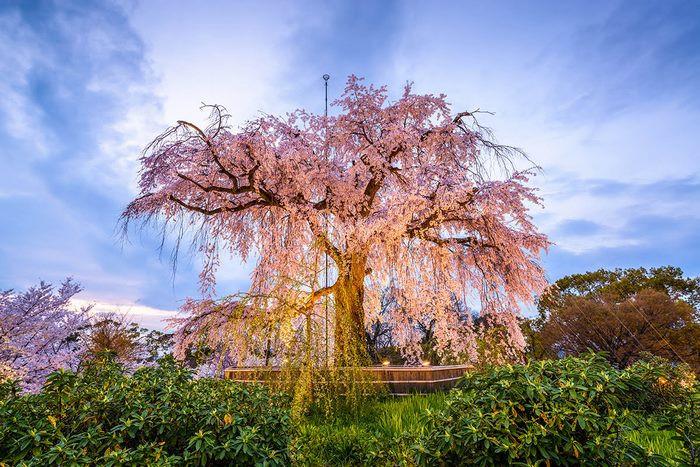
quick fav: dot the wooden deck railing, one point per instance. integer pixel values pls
(400, 380)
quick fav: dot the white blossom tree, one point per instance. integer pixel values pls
(39, 332)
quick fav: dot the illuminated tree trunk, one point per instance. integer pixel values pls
(350, 348)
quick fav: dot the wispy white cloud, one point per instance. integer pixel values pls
(77, 107)
(146, 316)
(589, 92)
(75, 94)
(233, 54)
(18, 54)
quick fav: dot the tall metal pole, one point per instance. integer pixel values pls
(326, 77)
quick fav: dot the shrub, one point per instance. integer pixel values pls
(683, 420)
(660, 384)
(160, 415)
(562, 412)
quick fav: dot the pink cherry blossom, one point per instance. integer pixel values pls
(402, 197)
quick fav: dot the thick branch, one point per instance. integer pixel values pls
(331, 249)
(375, 183)
(328, 247)
(211, 188)
(211, 147)
(441, 215)
(211, 212)
(316, 294)
(190, 207)
(465, 241)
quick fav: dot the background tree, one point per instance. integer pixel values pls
(621, 284)
(39, 332)
(380, 344)
(621, 312)
(395, 194)
(129, 343)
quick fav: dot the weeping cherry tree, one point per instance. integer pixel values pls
(401, 197)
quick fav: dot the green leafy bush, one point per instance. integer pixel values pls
(159, 415)
(669, 393)
(563, 412)
(570, 411)
(683, 419)
(661, 384)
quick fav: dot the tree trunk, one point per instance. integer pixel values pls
(350, 347)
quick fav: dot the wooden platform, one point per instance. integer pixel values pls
(400, 380)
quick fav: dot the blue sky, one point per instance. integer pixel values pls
(603, 95)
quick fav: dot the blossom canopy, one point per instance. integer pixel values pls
(401, 196)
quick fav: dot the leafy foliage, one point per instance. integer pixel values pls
(544, 411)
(336, 445)
(621, 284)
(160, 415)
(408, 431)
(379, 433)
(683, 420)
(563, 412)
(130, 344)
(649, 322)
(663, 384)
(624, 312)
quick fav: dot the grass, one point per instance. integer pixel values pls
(389, 417)
(379, 433)
(403, 415)
(658, 441)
